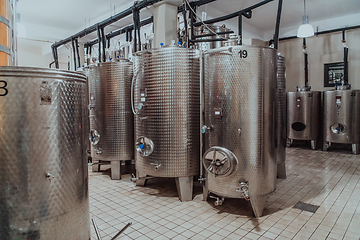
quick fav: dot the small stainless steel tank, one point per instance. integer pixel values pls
(167, 106)
(111, 118)
(304, 113)
(281, 118)
(43, 171)
(239, 131)
(342, 117)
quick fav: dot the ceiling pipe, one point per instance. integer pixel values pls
(277, 27)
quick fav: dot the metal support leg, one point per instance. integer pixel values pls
(258, 204)
(95, 166)
(205, 193)
(281, 170)
(288, 142)
(355, 148)
(141, 179)
(185, 188)
(325, 146)
(115, 170)
(313, 144)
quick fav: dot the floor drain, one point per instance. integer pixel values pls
(306, 207)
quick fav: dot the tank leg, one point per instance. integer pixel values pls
(313, 144)
(325, 146)
(95, 166)
(128, 162)
(355, 148)
(281, 170)
(258, 204)
(205, 193)
(115, 170)
(185, 188)
(288, 142)
(141, 179)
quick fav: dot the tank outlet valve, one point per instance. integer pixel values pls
(49, 176)
(134, 178)
(219, 200)
(204, 128)
(201, 179)
(244, 189)
(157, 166)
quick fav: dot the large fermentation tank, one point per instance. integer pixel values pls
(304, 112)
(111, 118)
(43, 171)
(239, 130)
(281, 117)
(7, 33)
(342, 117)
(167, 105)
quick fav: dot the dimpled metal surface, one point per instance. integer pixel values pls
(43, 171)
(243, 88)
(281, 111)
(347, 114)
(307, 111)
(110, 114)
(170, 116)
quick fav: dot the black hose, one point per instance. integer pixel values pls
(74, 54)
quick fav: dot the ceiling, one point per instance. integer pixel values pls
(74, 16)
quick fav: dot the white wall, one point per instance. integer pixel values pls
(321, 49)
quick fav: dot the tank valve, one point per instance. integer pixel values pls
(49, 176)
(219, 200)
(204, 128)
(134, 178)
(157, 166)
(244, 189)
(201, 179)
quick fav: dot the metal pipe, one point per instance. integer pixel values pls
(233, 15)
(306, 63)
(185, 26)
(211, 34)
(77, 51)
(324, 32)
(99, 41)
(208, 40)
(135, 27)
(74, 54)
(277, 27)
(103, 44)
(55, 56)
(240, 29)
(96, 229)
(121, 231)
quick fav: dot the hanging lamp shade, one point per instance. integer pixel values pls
(305, 30)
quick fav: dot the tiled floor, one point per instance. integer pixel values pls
(328, 179)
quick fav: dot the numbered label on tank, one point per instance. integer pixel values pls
(243, 54)
(3, 90)
(45, 93)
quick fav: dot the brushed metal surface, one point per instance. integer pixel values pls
(210, 29)
(281, 110)
(110, 110)
(240, 87)
(303, 107)
(43, 171)
(169, 80)
(342, 107)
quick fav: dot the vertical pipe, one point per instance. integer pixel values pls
(99, 41)
(277, 28)
(103, 44)
(138, 24)
(74, 54)
(135, 28)
(306, 63)
(127, 35)
(77, 51)
(346, 52)
(185, 26)
(55, 56)
(192, 25)
(240, 28)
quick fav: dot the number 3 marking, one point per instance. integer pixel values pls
(5, 90)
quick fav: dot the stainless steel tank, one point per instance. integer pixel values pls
(167, 106)
(281, 117)
(43, 172)
(342, 117)
(239, 130)
(111, 118)
(85, 71)
(8, 33)
(303, 115)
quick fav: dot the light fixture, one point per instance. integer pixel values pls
(305, 30)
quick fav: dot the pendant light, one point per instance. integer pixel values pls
(305, 30)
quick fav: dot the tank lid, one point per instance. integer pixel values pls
(303, 88)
